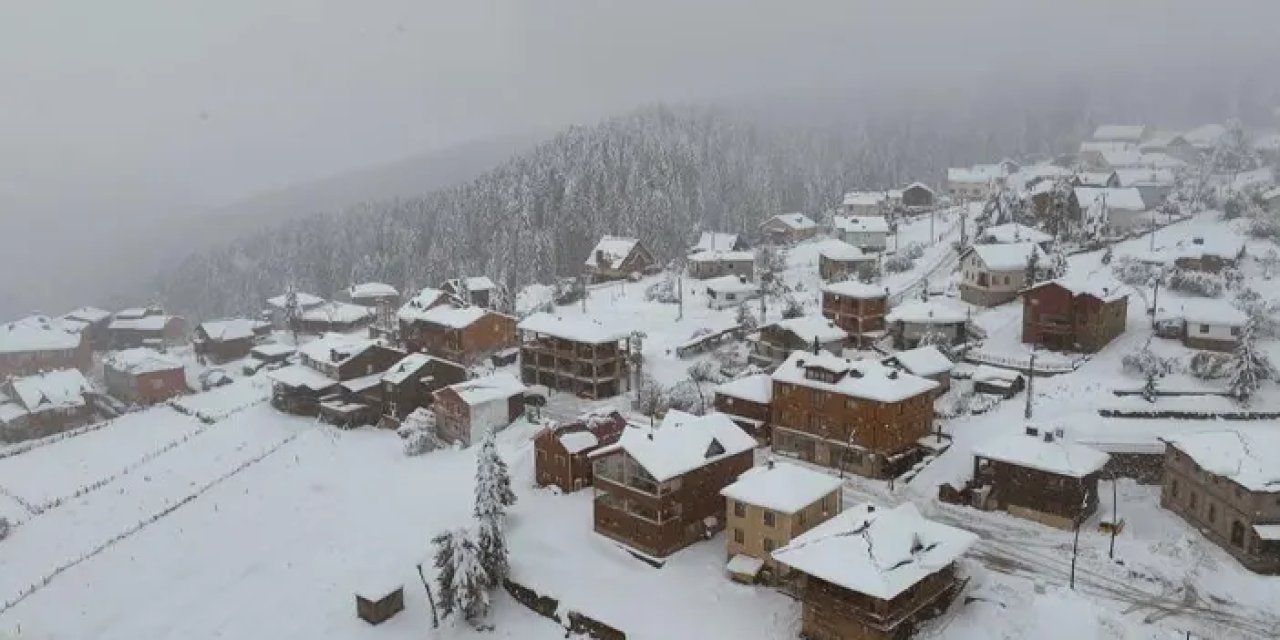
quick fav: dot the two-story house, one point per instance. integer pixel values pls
(858, 308)
(705, 265)
(149, 326)
(1074, 313)
(324, 363)
(838, 260)
(1202, 323)
(143, 376)
(868, 233)
(993, 274)
(562, 452)
(38, 405)
(467, 411)
(788, 228)
(38, 343)
(857, 416)
(410, 383)
(1039, 476)
(911, 321)
(228, 339)
(461, 334)
(617, 258)
(574, 354)
(657, 489)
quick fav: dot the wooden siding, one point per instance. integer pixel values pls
(1054, 318)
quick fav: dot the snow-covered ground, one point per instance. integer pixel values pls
(253, 524)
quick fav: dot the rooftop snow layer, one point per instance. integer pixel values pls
(815, 326)
(88, 314)
(337, 312)
(1248, 455)
(578, 441)
(866, 379)
(613, 250)
(1102, 287)
(840, 250)
(1013, 233)
(1009, 257)
(1115, 198)
(716, 241)
(930, 312)
(856, 290)
(346, 347)
(1204, 311)
(231, 329)
(299, 376)
(407, 366)
(452, 317)
(1144, 177)
(861, 224)
(717, 255)
(864, 198)
(1120, 132)
(61, 389)
(574, 329)
(977, 174)
(797, 221)
(923, 361)
(757, 388)
(140, 360)
(498, 386)
(1057, 457)
(372, 290)
(272, 350)
(421, 302)
(305, 301)
(681, 443)
(1095, 179)
(36, 333)
(730, 284)
(876, 551)
(782, 487)
(988, 373)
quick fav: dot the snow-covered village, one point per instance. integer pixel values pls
(839, 320)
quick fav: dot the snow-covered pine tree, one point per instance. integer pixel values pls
(461, 579)
(292, 311)
(1057, 263)
(493, 481)
(491, 541)
(1033, 268)
(935, 338)
(443, 560)
(745, 319)
(1249, 366)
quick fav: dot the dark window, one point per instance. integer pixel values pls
(738, 536)
(1213, 513)
(739, 509)
(1237, 533)
(768, 518)
(1173, 488)
(769, 545)
(1193, 500)
(1204, 328)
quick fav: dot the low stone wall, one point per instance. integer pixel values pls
(549, 608)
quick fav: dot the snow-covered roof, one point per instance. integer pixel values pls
(1205, 136)
(299, 376)
(573, 328)
(1267, 531)
(866, 379)
(856, 290)
(730, 284)
(936, 311)
(1161, 140)
(1248, 455)
(407, 366)
(1008, 257)
(452, 317)
(918, 185)
(1120, 132)
(337, 312)
(36, 333)
(1203, 311)
(715, 241)
(861, 224)
(1222, 245)
(362, 384)
(1271, 194)
(231, 329)
(421, 302)
(876, 551)
(499, 386)
(722, 256)
(922, 361)
(140, 360)
(782, 487)
(809, 327)
(61, 389)
(1100, 146)
(578, 441)
(1102, 287)
(1057, 457)
(988, 373)
(305, 300)
(372, 290)
(757, 388)
(796, 221)
(1129, 199)
(1095, 179)
(1013, 232)
(864, 198)
(744, 565)
(613, 250)
(345, 347)
(681, 443)
(977, 174)
(145, 323)
(1144, 178)
(833, 249)
(88, 314)
(133, 313)
(272, 350)
(1121, 158)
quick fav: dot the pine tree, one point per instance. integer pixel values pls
(461, 578)
(1033, 268)
(446, 569)
(491, 541)
(1249, 367)
(292, 311)
(745, 319)
(493, 482)
(1058, 263)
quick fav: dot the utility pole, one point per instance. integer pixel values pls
(680, 296)
(1031, 376)
(932, 215)
(1115, 517)
(1155, 300)
(1075, 550)
(435, 619)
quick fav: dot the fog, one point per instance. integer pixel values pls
(119, 115)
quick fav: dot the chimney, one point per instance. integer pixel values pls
(1032, 431)
(1048, 436)
(893, 374)
(815, 346)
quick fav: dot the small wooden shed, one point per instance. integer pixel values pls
(377, 603)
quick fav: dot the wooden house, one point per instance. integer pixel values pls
(462, 334)
(788, 228)
(143, 376)
(658, 488)
(228, 339)
(336, 317)
(854, 415)
(918, 196)
(324, 363)
(1074, 314)
(769, 506)
(926, 362)
(467, 411)
(748, 402)
(411, 383)
(993, 274)
(776, 341)
(272, 353)
(857, 308)
(705, 265)
(93, 324)
(849, 591)
(576, 355)
(1039, 476)
(562, 452)
(838, 260)
(39, 343)
(478, 291)
(730, 291)
(278, 307)
(1208, 324)
(718, 241)
(373, 294)
(42, 404)
(150, 327)
(911, 321)
(617, 258)
(1223, 483)
(867, 233)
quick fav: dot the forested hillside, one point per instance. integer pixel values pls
(660, 173)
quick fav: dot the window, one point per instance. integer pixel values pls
(1213, 512)
(1235, 332)
(800, 518)
(1173, 488)
(739, 509)
(768, 518)
(1204, 328)
(1193, 500)
(769, 545)
(157, 383)
(1237, 533)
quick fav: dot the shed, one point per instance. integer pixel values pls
(377, 603)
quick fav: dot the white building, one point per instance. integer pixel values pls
(993, 274)
(730, 291)
(865, 203)
(1121, 210)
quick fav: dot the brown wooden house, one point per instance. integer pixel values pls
(38, 343)
(1070, 314)
(467, 411)
(576, 355)
(616, 258)
(93, 323)
(461, 334)
(657, 490)
(324, 363)
(1038, 476)
(150, 327)
(857, 416)
(838, 260)
(788, 228)
(562, 452)
(849, 591)
(748, 402)
(143, 376)
(778, 340)
(229, 339)
(336, 317)
(858, 308)
(43, 404)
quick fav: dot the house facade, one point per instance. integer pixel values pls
(719, 241)
(1040, 477)
(868, 233)
(1206, 324)
(562, 452)
(326, 362)
(857, 308)
(1223, 484)
(865, 203)
(94, 324)
(468, 410)
(143, 376)
(38, 343)
(705, 265)
(768, 507)
(729, 291)
(466, 335)
(993, 274)
(657, 490)
(617, 258)
(336, 317)
(788, 228)
(918, 195)
(1074, 314)
(838, 260)
(42, 404)
(911, 321)
(576, 355)
(228, 339)
(748, 402)
(857, 416)
(150, 327)
(410, 383)
(927, 362)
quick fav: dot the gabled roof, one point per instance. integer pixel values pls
(231, 329)
(1120, 132)
(407, 366)
(857, 290)
(813, 326)
(1013, 232)
(1102, 287)
(575, 328)
(305, 300)
(36, 333)
(61, 389)
(1161, 161)
(1129, 199)
(918, 185)
(782, 487)
(833, 249)
(1145, 177)
(1008, 257)
(452, 317)
(936, 311)
(301, 377)
(335, 348)
(473, 283)
(1203, 311)
(715, 241)
(140, 360)
(421, 302)
(372, 290)
(1162, 139)
(681, 443)
(588, 432)
(921, 361)
(477, 391)
(337, 312)
(861, 224)
(1095, 178)
(730, 284)
(1121, 158)
(1057, 457)
(796, 221)
(88, 314)
(1248, 455)
(876, 551)
(865, 379)
(864, 198)
(1100, 146)
(613, 250)
(144, 323)
(756, 388)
